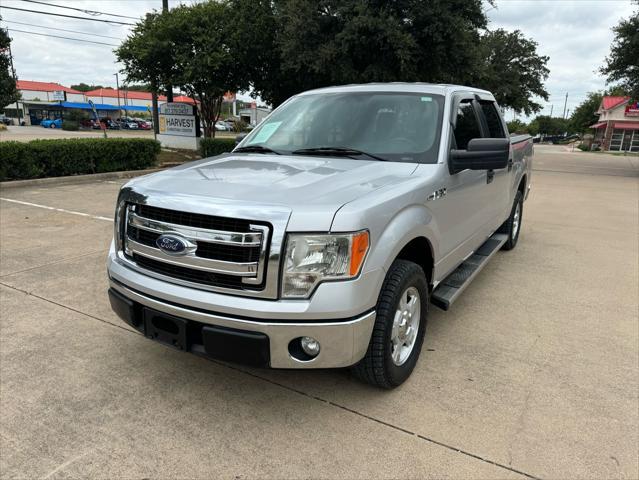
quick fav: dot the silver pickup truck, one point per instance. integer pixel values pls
(323, 238)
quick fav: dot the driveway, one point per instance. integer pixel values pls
(533, 373)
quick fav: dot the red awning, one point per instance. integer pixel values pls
(598, 125)
(627, 125)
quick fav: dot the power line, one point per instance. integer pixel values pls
(65, 38)
(60, 29)
(67, 16)
(88, 12)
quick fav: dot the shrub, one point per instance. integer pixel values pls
(211, 147)
(3, 127)
(583, 147)
(70, 125)
(55, 158)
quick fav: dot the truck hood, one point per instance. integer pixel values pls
(313, 188)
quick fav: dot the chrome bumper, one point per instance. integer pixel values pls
(343, 343)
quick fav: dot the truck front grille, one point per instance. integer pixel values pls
(223, 253)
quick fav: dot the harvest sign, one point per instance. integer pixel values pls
(179, 119)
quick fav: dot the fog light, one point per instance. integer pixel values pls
(310, 346)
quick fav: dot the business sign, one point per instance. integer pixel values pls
(58, 95)
(179, 119)
(229, 97)
(632, 110)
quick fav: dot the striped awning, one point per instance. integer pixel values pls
(598, 125)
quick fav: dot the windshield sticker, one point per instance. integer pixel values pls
(266, 132)
(427, 99)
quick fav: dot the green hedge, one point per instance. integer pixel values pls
(210, 147)
(55, 158)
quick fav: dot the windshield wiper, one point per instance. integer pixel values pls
(256, 149)
(340, 151)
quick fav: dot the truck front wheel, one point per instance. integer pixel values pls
(399, 329)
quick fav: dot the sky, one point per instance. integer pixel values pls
(575, 34)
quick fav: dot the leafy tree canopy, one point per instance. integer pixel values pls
(287, 46)
(83, 87)
(204, 49)
(622, 65)
(8, 92)
(512, 70)
(548, 125)
(517, 126)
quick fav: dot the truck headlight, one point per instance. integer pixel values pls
(311, 259)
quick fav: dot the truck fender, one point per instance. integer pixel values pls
(412, 222)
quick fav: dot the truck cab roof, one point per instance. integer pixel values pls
(408, 87)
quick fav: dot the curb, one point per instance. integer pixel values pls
(76, 179)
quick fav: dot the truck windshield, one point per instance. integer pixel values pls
(402, 127)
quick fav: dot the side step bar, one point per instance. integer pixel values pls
(454, 284)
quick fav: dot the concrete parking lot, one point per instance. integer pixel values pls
(533, 373)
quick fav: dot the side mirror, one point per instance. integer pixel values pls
(239, 138)
(481, 154)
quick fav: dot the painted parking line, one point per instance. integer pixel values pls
(72, 212)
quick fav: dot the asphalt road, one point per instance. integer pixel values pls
(534, 372)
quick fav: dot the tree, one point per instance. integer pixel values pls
(8, 91)
(204, 49)
(334, 42)
(83, 87)
(584, 114)
(622, 65)
(512, 70)
(517, 126)
(547, 125)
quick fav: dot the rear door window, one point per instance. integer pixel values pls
(493, 120)
(466, 126)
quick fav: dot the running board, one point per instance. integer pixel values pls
(454, 284)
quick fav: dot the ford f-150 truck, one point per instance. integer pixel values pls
(324, 237)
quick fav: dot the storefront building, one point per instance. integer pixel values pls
(49, 100)
(618, 127)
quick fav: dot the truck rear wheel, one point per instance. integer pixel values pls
(512, 226)
(398, 334)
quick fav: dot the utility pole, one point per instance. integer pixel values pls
(169, 87)
(551, 107)
(15, 79)
(565, 103)
(117, 89)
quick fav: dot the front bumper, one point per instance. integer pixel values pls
(260, 342)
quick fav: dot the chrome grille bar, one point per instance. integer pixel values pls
(250, 239)
(191, 261)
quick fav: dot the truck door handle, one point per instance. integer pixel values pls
(510, 164)
(490, 175)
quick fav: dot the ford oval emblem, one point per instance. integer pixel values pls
(172, 244)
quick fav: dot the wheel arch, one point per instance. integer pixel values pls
(419, 250)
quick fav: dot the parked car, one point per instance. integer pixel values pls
(323, 238)
(143, 124)
(48, 123)
(110, 124)
(128, 124)
(221, 126)
(6, 120)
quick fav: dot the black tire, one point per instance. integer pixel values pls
(509, 225)
(377, 367)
